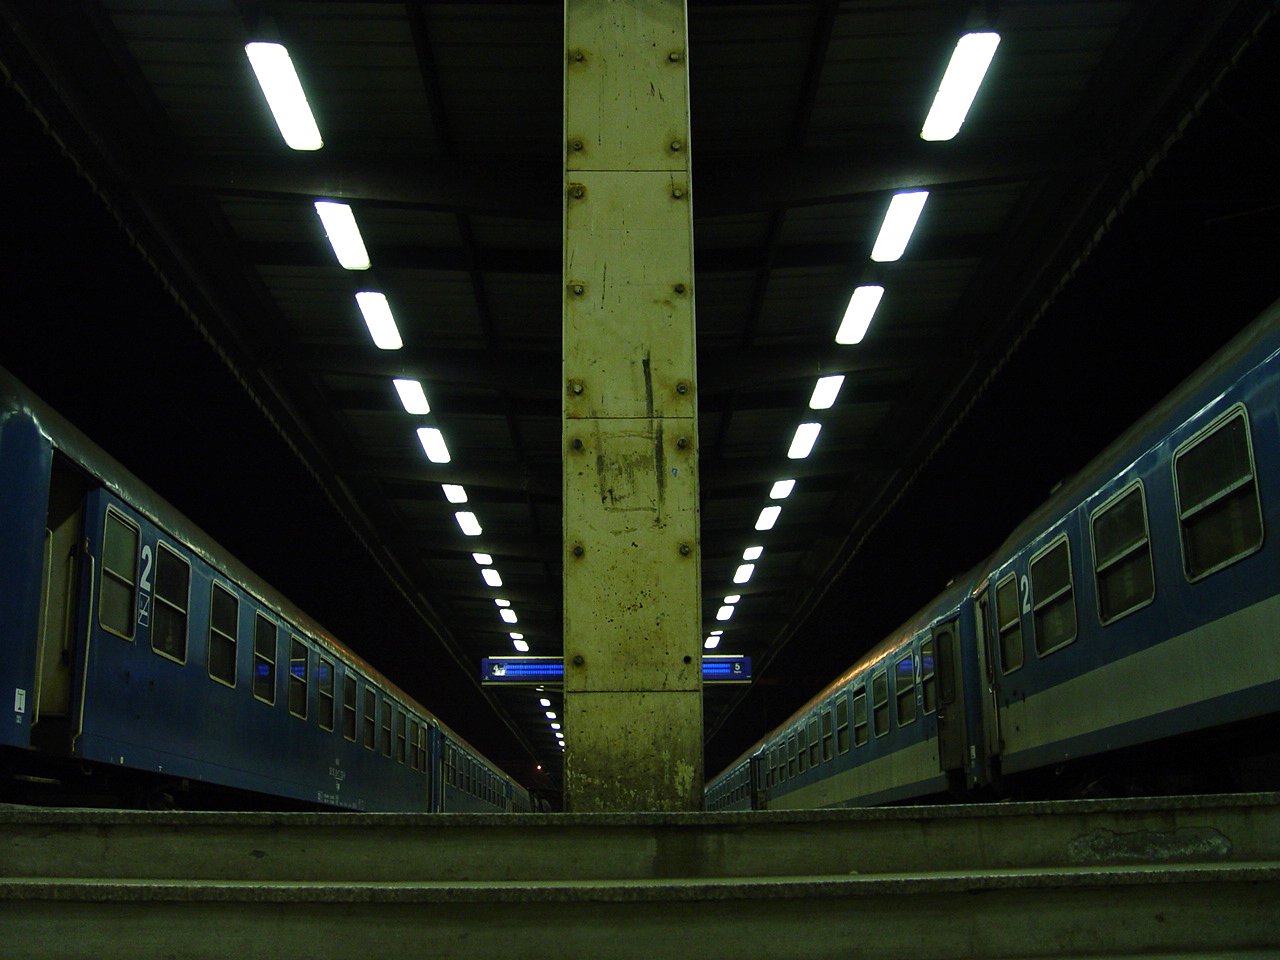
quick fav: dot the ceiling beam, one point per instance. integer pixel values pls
(528, 187)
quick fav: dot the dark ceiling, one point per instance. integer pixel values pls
(1108, 215)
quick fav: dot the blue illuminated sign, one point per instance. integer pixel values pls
(549, 671)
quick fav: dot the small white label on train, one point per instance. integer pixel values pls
(19, 701)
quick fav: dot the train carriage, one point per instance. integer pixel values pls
(132, 643)
(1139, 606)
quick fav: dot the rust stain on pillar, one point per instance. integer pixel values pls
(632, 596)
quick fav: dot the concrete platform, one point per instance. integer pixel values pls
(1160, 878)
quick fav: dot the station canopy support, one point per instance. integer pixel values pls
(632, 601)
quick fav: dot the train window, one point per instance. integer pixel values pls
(1218, 509)
(118, 584)
(842, 724)
(264, 659)
(1122, 555)
(422, 749)
(449, 775)
(1053, 596)
(859, 716)
(904, 687)
(224, 621)
(791, 756)
(324, 685)
(414, 733)
(386, 728)
(880, 703)
(370, 716)
(297, 678)
(927, 682)
(1009, 616)
(169, 614)
(815, 744)
(401, 736)
(802, 749)
(828, 736)
(349, 707)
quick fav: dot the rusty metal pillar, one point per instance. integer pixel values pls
(632, 594)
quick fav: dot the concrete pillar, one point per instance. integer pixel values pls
(632, 594)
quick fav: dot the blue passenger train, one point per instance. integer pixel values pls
(140, 657)
(1132, 621)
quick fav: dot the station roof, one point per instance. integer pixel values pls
(1106, 216)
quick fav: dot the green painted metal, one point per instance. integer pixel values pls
(632, 637)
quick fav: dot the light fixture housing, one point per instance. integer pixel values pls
(468, 523)
(724, 613)
(412, 397)
(521, 645)
(482, 559)
(455, 494)
(378, 318)
(768, 517)
(508, 615)
(899, 223)
(859, 314)
(344, 234)
(710, 643)
(434, 447)
(744, 572)
(781, 489)
(282, 88)
(753, 553)
(825, 392)
(965, 72)
(491, 577)
(802, 443)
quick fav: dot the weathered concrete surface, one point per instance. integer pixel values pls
(632, 593)
(1232, 912)
(1159, 879)
(370, 848)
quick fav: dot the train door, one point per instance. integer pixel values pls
(64, 532)
(986, 655)
(759, 793)
(952, 736)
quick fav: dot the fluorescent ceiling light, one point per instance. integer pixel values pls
(753, 553)
(555, 726)
(433, 445)
(724, 613)
(468, 523)
(502, 603)
(560, 738)
(857, 316)
(545, 702)
(507, 614)
(551, 715)
(482, 559)
(768, 517)
(521, 645)
(781, 490)
(377, 317)
(280, 85)
(743, 573)
(491, 577)
(717, 633)
(899, 222)
(802, 443)
(344, 235)
(520, 636)
(412, 397)
(710, 643)
(456, 494)
(734, 598)
(969, 63)
(825, 392)
(561, 742)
